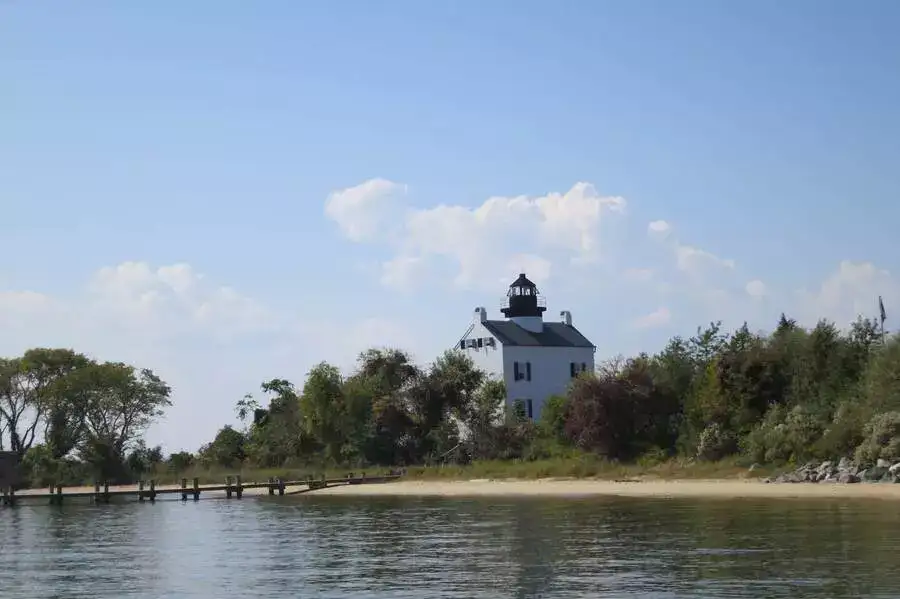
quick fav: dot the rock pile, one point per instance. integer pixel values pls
(845, 471)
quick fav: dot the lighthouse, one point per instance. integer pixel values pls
(536, 359)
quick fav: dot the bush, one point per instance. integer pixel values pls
(784, 435)
(715, 443)
(844, 434)
(882, 439)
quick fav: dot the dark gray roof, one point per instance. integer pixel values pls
(555, 334)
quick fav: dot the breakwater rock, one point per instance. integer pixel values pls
(844, 471)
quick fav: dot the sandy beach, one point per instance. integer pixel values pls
(723, 489)
(647, 488)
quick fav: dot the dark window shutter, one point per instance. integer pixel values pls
(583, 367)
(515, 371)
(480, 342)
(572, 369)
(462, 344)
(528, 372)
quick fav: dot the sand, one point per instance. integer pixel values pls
(724, 489)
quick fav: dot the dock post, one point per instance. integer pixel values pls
(227, 487)
(184, 489)
(4, 497)
(140, 490)
(96, 492)
(106, 492)
(240, 487)
(152, 490)
(271, 486)
(59, 495)
(281, 486)
(196, 488)
(52, 498)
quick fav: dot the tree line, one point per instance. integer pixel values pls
(70, 418)
(786, 396)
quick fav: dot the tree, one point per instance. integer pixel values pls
(227, 448)
(31, 387)
(246, 406)
(323, 409)
(120, 402)
(602, 416)
(276, 435)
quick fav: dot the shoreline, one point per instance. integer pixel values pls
(653, 488)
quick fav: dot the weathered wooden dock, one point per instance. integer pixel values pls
(234, 487)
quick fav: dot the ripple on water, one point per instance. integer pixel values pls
(429, 547)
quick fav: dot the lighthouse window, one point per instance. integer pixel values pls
(480, 342)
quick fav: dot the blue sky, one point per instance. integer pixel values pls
(228, 192)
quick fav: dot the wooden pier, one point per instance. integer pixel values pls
(234, 487)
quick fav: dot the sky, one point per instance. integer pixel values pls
(227, 192)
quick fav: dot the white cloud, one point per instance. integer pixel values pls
(691, 260)
(659, 227)
(210, 342)
(851, 290)
(480, 243)
(170, 300)
(365, 211)
(695, 261)
(657, 318)
(755, 288)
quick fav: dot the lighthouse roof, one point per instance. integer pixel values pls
(553, 334)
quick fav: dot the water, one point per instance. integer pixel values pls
(443, 548)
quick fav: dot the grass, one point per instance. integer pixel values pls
(588, 467)
(578, 466)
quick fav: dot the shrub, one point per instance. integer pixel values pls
(715, 443)
(784, 435)
(882, 439)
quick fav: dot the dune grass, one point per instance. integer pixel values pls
(588, 467)
(582, 466)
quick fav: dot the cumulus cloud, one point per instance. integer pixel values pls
(363, 212)
(755, 288)
(851, 290)
(210, 342)
(657, 318)
(689, 259)
(482, 244)
(694, 260)
(659, 228)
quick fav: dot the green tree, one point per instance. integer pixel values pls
(227, 449)
(121, 402)
(31, 390)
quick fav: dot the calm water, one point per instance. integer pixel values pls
(440, 548)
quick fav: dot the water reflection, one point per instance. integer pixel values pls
(428, 547)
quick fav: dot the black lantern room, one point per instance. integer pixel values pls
(523, 299)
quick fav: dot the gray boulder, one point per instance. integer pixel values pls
(874, 474)
(847, 478)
